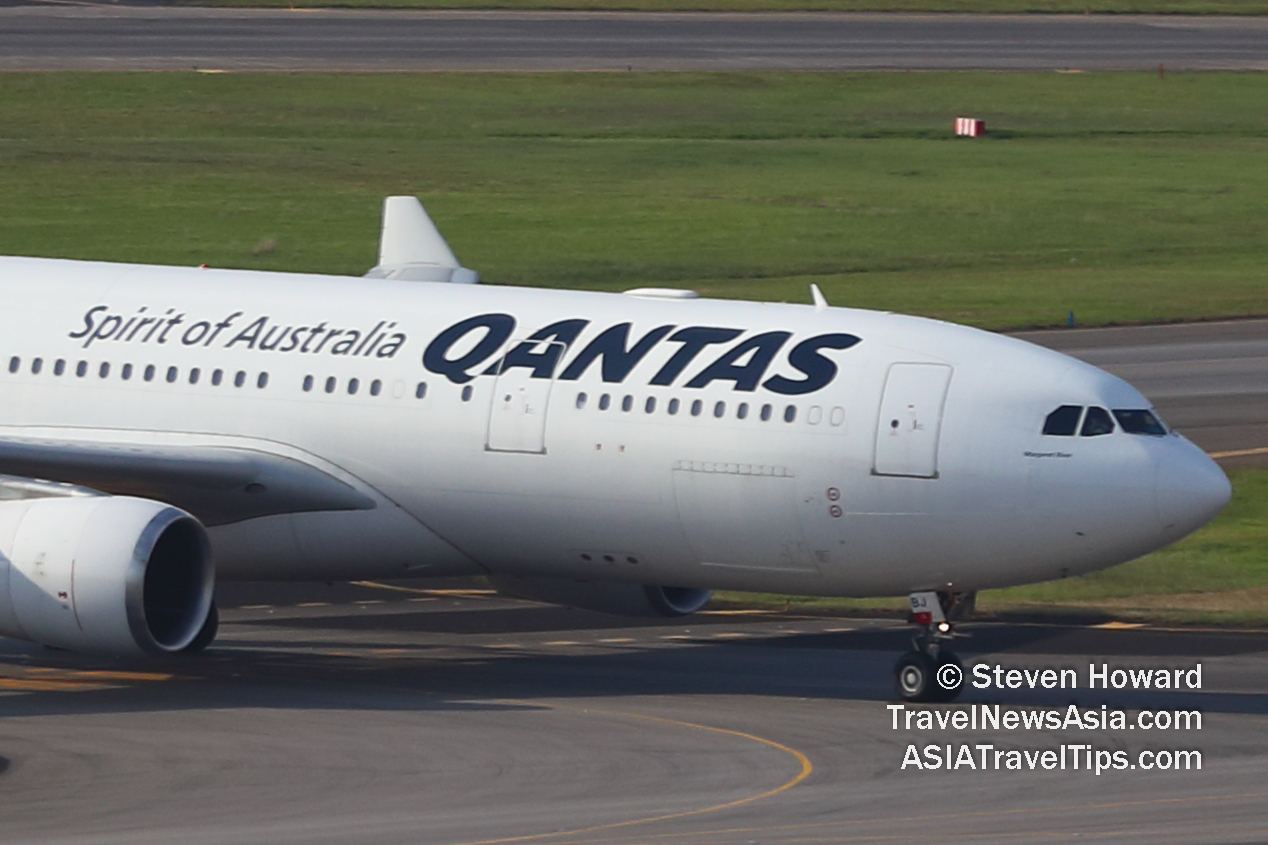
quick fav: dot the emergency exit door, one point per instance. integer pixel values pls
(517, 414)
(910, 420)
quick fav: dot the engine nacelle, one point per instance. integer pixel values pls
(604, 596)
(107, 574)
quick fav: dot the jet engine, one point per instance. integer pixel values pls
(604, 596)
(106, 574)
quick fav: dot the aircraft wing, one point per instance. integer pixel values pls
(218, 485)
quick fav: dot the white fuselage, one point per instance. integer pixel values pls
(832, 451)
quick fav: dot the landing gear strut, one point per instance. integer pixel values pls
(932, 672)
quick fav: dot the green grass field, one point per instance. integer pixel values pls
(1120, 197)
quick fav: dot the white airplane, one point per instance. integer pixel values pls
(621, 452)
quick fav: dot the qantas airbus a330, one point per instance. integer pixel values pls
(623, 452)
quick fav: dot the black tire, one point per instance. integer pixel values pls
(914, 676)
(207, 633)
(939, 692)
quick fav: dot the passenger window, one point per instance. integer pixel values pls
(239, 378)
(81, 369)
(627, 403)
(262, 380)
(741, 411)
(790, 413)
(59, 367)
(1096, 423)
(420, 390)
(37, 365)
(1064, 421)
(696, 407)
(171, 374)
(126, 372)
(719, 408)
(104, 370)
(838, 415)
(330, 384)
(354, 384)
(766, 412)
(815, 415)
(15, 364)
(194, 375)
(149, 372)
(649, 407)
(216, 376)
(581, 401)
(1140, 422)
(605, 401)
(467, 392)
(376, 387)
(308, 383)
(674, 404)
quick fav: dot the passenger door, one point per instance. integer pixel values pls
(517, 414)
(910, 420)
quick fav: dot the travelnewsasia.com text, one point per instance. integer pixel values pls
(1072, 717)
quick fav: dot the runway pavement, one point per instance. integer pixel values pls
(372, 715)
(111, 37)
(1208, 380)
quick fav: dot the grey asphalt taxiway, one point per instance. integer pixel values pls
(120, 37)
(391, 714)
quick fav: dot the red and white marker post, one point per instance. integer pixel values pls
(970, 126)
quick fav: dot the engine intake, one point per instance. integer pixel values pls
(106, 574)
(604, 596)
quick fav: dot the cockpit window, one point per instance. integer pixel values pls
(1064, 421)
(1097, 422)
(1140, 422)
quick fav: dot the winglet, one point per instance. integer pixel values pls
(412, 249)
(820, 301)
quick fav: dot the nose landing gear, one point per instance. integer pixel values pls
(932, 672)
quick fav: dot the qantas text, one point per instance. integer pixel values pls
(616, 354)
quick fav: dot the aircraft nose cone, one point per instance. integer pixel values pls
(1190, 489)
